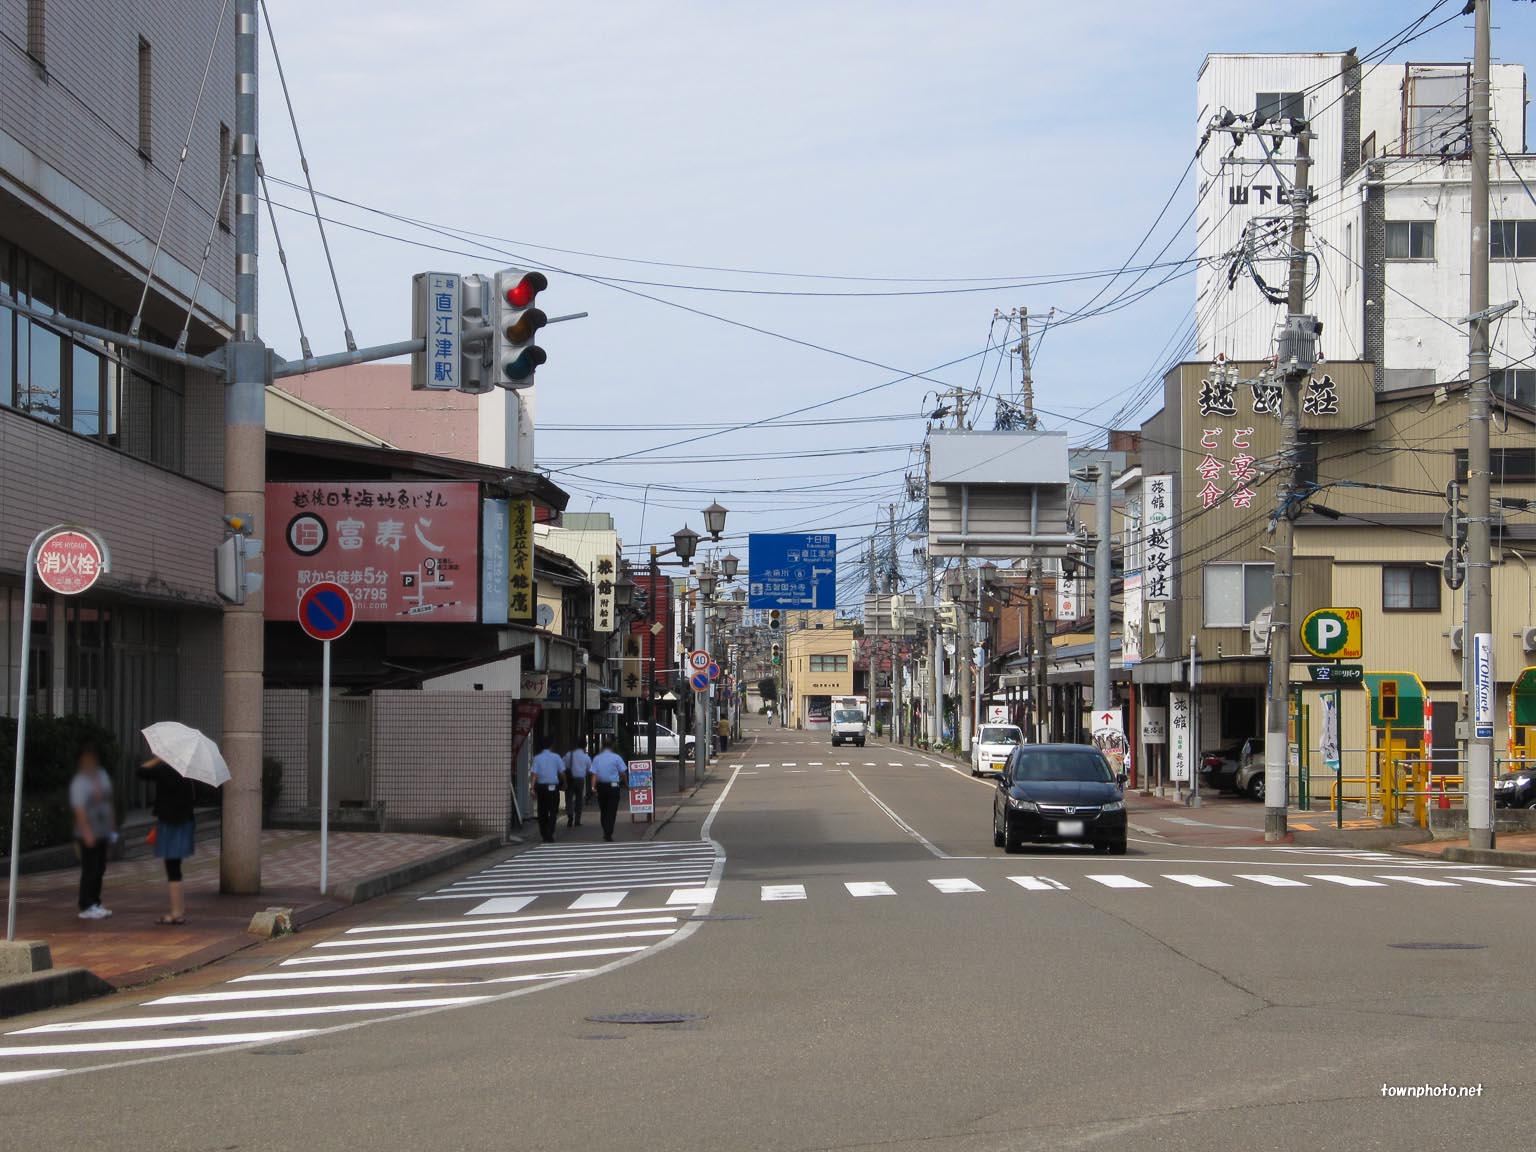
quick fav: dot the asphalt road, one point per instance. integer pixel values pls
(856, 967)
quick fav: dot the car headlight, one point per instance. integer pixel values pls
(1114, 806)
(1522, 780)
(1022, 805)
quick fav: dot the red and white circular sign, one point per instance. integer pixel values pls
(68, 562)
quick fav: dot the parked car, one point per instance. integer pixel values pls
(847, 726)
(1219, 770)
(992, 747)
(1059, 793)
(666, 742)
(1515, 790)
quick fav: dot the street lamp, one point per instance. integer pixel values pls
(714, 520)
(685, 542)
(706, 578)
(729, 566)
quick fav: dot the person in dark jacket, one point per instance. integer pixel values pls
(175, 830)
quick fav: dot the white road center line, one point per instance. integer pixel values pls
(899, 822)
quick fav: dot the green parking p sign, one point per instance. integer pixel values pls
(1332, 634)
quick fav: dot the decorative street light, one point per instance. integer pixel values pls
(706, 578)
(728, 567)
(685, 542)
(714, 520)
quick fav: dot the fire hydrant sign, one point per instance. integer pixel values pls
(68, 562)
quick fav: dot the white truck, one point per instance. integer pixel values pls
(992, 747)
(848, 726)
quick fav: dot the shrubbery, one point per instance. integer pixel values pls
(52, 743)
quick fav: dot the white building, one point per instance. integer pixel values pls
(1389, 221)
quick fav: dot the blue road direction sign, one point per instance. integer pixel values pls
(792, 570)
(326, 611)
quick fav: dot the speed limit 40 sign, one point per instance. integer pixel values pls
(1332, 634)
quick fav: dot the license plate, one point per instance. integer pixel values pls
(1069, 828)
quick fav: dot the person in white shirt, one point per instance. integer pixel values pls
(608, 771)
(547, 769)
(577, 765)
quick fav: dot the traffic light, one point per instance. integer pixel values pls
(947, 616)
(231, 580)
(516, 322)
(773, 622)
(1388, 701)
(775, 653)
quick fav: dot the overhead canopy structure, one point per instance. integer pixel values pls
(1002, 495)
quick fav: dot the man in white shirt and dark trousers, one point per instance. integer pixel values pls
(577, 765)
(608, 770)
(546, 770)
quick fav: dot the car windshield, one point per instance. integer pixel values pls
(848, 716)
(1080, 766)
(1002, 735)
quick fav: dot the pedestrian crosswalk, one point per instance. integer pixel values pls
(1146, 882)
(551, 914)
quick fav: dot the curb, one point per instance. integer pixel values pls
(51, 988)
(368, 887)
(1490, 856)
(1369, 838)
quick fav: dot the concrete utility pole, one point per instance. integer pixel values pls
(245, 487)
(700, 699)
(1478, 641)
(1103, 577)
(964, 665)
(1277, 728)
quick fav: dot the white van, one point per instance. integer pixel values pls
(992, 747)
(848, 726)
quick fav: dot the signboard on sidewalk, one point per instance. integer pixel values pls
(1154, 725)
(642, 794)
(404, 551)
(1180, 755)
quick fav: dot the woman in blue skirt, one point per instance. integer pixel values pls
(175, 830)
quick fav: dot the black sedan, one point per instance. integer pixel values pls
(1059, 794)
(1515, 790)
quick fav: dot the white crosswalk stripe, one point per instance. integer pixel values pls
(1194, 881)
(957, 885)
(1346, 881)
(783, 892)
(864, 888)
(1120, 882)
(1272, 881)
(1038, 884)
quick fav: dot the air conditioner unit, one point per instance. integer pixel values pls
(1157, 619)
(1258, 633)
(1528, 640)
(1458, 637)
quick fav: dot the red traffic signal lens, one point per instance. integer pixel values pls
(521, 294)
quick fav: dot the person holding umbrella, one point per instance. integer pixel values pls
(179, 756)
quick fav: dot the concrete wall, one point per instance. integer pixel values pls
(378, 399)
(285, 734)
(442, 761)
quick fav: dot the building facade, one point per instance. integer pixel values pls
(818, 665)
(95, 101)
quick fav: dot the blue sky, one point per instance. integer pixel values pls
(875, 139)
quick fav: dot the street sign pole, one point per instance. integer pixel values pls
(325, 762)
(79, 542)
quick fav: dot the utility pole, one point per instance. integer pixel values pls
(1039, 715)
(1478, 642)
(964, 665)
(1297, 357)
(246, 372)
(1102, 579)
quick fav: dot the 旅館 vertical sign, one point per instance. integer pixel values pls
(604, 577)
(1157, 572)
(520, 598)
(493, 561)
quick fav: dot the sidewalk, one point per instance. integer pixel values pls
(129, 948)
(1513, 850)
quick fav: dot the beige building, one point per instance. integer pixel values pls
(818, 665)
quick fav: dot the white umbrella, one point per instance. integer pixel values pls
(188, 751)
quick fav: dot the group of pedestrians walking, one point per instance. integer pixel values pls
(581, 777)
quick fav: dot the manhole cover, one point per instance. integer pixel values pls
(646, 1018)
(1438, 946)
(722, 916)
